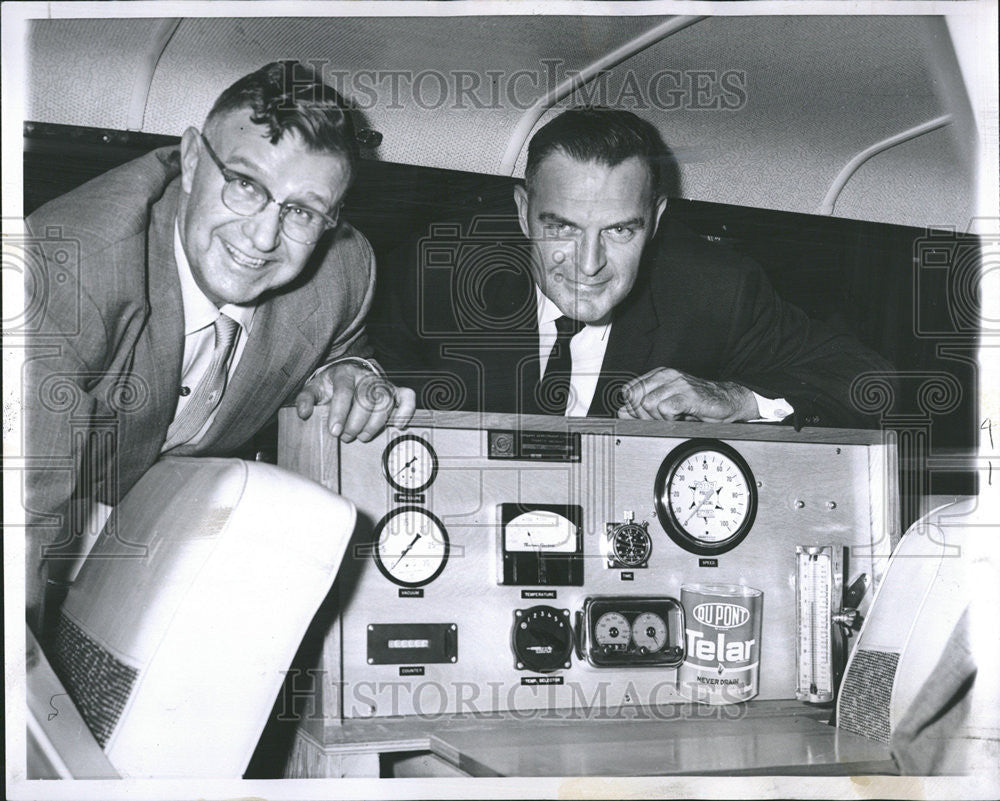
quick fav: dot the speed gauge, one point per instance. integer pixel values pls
(705, 496)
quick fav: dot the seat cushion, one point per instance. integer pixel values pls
(174, 639)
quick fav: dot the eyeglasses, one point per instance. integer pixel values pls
(247, 197)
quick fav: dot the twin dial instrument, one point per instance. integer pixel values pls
(631, 631)
(613, 631)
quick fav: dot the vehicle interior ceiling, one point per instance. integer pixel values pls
(767, 165)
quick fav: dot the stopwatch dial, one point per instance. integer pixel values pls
(649, 631)
(409, 463)
(542, 639)
(631, 545)
(411, 546)
(612, 631)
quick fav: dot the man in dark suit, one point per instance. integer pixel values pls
(204, 287)
(612, 309)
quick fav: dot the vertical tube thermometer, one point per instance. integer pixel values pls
(823, 621)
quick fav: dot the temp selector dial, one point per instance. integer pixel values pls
(542, 639)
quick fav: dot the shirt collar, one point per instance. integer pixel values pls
(199, 311)
(548, 312)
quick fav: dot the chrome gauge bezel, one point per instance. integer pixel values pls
(616, 558)
(623, 650)
(664, 483)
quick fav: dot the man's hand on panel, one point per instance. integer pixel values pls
(668, 394)
(361, 402)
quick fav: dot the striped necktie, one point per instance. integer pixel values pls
(207, 395)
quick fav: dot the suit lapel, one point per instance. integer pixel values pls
(158, 355)
(283, 344)
(629, 344)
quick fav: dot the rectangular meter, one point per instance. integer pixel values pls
(540, 545)
(819, 588)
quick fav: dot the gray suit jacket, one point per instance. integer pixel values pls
(104, 353)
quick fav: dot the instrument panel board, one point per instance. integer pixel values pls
(808, 493)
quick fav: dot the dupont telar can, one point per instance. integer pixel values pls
(722, 638)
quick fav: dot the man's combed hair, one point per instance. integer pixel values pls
(289, 96)
(602, 135)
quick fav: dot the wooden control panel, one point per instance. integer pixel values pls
(481, 540)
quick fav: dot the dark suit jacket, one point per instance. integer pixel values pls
(104, 361)
(457, 321)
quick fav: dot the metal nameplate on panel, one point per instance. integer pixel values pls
(412, 643)
(539, 446)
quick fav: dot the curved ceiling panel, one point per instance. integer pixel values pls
(803, 95)
(760, 111)
(394, 69)
(922, 181)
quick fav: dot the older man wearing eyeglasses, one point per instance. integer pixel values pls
(204, 288)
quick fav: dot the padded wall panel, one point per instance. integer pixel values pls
(81, 71)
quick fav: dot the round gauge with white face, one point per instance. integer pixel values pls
(705, 496)
(649, 631)
(410, 546)
(612, 631)
(410, 463)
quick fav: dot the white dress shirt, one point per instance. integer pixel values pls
(587, 350)
(199, 334)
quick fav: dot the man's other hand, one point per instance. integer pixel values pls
(361, 403)
(667, 394)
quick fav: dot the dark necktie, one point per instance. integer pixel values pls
(553, 391)
(208, 393)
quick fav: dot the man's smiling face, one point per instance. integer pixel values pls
(236, 259)
(589, 224)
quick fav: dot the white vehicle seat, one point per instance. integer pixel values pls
(174, 639)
